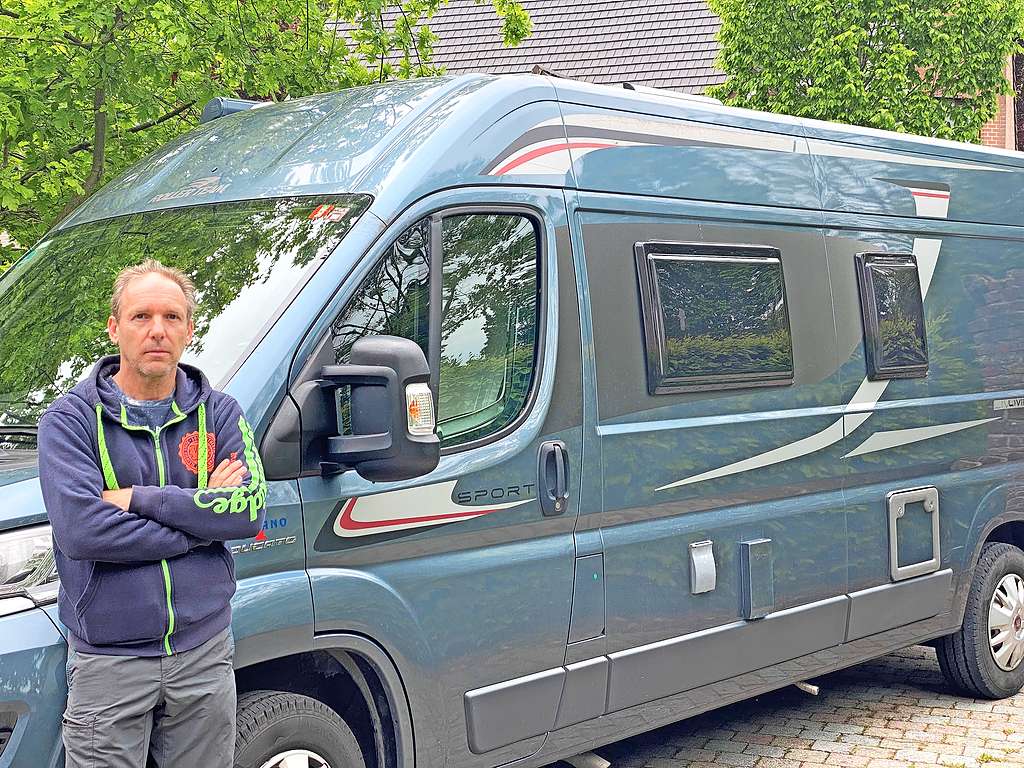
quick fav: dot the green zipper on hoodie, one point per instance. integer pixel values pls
(111, 480)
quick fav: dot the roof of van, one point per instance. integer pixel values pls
(401, 140)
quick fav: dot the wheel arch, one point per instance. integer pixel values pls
(381, 685)
(999, 517)
(348, 673)
(1009, 532)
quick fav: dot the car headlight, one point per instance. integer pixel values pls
(28, 573)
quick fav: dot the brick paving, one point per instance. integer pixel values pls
(893, 712)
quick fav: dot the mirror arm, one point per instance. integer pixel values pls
(356, 448)
(334, 376)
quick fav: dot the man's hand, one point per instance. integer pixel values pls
(121, 497)
(228, 474)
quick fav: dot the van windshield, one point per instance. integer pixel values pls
(246, 258)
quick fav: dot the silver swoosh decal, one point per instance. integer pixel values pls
(880, 441)
(858, 410)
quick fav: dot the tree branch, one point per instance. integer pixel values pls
(334, 39)
(241, 29)
(99, 114)
(85, 145)
(382, 33)
(74, 40)
(162, 119)
(419, 61)
(99, 118)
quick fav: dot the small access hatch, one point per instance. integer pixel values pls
(913, 532)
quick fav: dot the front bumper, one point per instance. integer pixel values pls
(33, 689)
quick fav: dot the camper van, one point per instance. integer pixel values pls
(584, 409)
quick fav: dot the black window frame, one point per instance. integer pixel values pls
(873, 348)
(653, 328)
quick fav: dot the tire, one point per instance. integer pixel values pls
(271, 725)
(967, 658)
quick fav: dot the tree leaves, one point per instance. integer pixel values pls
(931, 67)
(156, 62)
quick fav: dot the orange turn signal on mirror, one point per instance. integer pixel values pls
(419, 409)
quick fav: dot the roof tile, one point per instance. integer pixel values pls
(668, 42)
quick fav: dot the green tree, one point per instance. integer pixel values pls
(930, 67)
(90, 87)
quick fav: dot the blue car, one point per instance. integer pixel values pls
(584, 409)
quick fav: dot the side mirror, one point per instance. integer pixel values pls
(391, 414)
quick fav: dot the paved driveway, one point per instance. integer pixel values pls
(894, 711)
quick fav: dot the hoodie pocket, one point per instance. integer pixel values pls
(123, 604)
(203, 584)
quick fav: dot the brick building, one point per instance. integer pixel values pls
(660, 43)
(1005, 129)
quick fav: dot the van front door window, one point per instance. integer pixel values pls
(489, 315)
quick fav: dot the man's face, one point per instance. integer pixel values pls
(153, 329)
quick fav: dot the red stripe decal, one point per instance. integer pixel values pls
(345, 522)
(548, 150)
(940, 195)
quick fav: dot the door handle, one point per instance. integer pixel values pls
(553, 477)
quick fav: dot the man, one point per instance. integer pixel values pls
(145, 472)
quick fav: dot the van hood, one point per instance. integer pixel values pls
(21, 500)
(18, 465)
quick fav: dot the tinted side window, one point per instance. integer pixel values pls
(714, 317)
(488, 325)
(893, 311)
(489, 315)
(393, 299)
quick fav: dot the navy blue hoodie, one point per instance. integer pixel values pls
(155, 579)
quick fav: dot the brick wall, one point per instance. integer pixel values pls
(994, 134)
(1001, 130)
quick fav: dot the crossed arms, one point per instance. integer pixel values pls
(146, 523)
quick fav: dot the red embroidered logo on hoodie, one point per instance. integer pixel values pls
(188, 450)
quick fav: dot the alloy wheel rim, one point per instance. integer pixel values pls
(1006, 622)
(296, 758)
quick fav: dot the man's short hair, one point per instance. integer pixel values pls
(147, 267)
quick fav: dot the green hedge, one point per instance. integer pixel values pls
(701, 355)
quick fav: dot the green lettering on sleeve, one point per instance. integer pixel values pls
(251, 497)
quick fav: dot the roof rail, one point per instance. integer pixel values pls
(670, 94)
(222, 106)
(540, 69)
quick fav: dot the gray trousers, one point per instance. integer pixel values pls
(179, 710)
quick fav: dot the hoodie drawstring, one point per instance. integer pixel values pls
(108, 469)
(110, 478)
(203, 448)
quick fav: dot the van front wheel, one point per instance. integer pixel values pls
(986, 657)
(287, 730)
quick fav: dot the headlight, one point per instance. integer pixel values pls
(27, 569)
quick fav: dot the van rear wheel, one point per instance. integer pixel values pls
(288, 730)
(986, 657)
